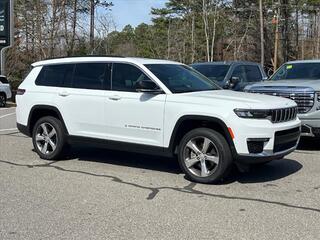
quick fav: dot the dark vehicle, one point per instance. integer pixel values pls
(234, 75)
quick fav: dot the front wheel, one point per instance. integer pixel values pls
(205, 156)
(48, 138)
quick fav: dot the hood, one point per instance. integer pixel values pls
(314, 84)
(232, 99)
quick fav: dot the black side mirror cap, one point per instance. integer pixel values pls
(147, 86)
(230, 84)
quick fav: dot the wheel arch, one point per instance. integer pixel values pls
(39, 111)
(188, 122)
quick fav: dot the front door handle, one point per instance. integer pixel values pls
(115, 98)
(63, 94)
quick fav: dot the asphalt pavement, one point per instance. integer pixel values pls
(102, 194)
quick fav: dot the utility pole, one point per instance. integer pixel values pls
(261, 32)
(276, 41)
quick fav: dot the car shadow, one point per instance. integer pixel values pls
(269, 172)
(272, 171)
(127, 159)
(309, 144)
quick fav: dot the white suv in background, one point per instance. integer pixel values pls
(5, 91)
(153, 106)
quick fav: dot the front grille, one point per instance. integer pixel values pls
(283, 114)
(304, 100)
(286, 139)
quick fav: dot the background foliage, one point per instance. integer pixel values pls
(185, 30)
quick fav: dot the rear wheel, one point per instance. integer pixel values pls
(49, 139)
(205, 156)
(3, 100)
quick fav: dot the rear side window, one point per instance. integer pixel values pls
(55, 75)
(253, 73)
(3, 80)
(90, 75)
(125, 77)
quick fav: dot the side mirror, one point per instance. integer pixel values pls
(265, 79)
(230, 84)
(147, 86)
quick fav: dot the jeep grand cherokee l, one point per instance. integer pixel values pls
(152, 106)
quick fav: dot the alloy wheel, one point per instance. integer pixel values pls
(201, 156)
(46, 138)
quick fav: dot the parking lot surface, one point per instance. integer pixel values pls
(102, 194)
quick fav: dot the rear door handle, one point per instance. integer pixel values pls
(115, 98)
(63, 94)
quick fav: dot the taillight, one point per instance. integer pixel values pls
(20, 91)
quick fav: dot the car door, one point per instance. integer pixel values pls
(81, 100)
(239, 72)
(253, 75)
(133, 116)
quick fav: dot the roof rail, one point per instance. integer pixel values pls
(79, 56)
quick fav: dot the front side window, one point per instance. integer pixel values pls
(297, 71)
(125, 77)
(240, 73)
(213, 72)
(54, 75)
(89, 76)
(179, 78)
(253, 73)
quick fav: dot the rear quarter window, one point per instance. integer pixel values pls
(55, 75)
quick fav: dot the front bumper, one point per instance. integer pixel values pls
(277, 140)
(264, 156)
(310, 124)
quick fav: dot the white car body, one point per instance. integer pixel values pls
(139, 118)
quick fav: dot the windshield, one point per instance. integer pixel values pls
(213, 72)
(298, 71)
(181, 78)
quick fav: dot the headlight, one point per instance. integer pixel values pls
(251, 113)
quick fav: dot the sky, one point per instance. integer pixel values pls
(134, 12)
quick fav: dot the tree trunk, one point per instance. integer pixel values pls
(261, 32)
(192, 39)
(74, 27)
(92, 10)
(205, 22)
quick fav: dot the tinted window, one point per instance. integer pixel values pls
(125, 77)
(253, 73)
(3, 80)
(213, 72)
(298, 71)
(55, 75)
(240, 73)
(89, 75)
(180, 78)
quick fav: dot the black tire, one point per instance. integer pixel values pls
(220, 170)
(60, 140)
(3, 100)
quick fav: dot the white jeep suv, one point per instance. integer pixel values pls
(156, 107)
(5, 91)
